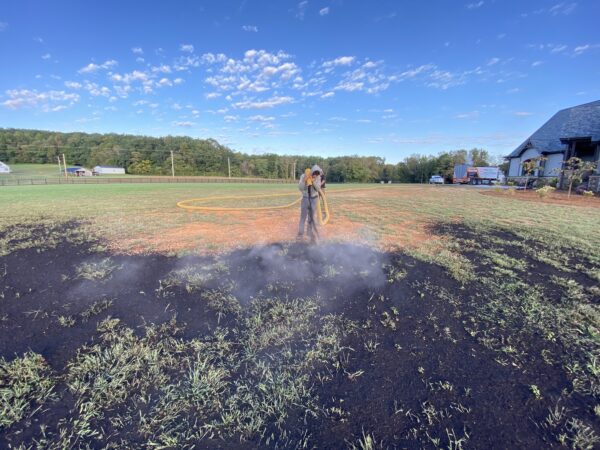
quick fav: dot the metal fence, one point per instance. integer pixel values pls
(133, 180)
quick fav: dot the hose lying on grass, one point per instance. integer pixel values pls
(322, 207)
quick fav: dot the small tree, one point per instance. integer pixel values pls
(575, 168)
(530, 166)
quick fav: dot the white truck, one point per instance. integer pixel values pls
(466, 174)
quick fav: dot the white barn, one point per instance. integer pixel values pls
(4, 168)
(109, 170)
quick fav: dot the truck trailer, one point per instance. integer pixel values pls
(466, 174)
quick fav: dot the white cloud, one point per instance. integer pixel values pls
(164, 82)
(163, 68)
(95, 90)
(301, 9)
(137, 50)
(536, 63)
(493, 61)
(45, 101)
(126, 81)
(513, 91)
(139, 59)
(73, 85)
(475, 5)
(584, 48)
(177, 81)
(324, 11)
(46, 56)
(3, 26)
(188, 48)
(558, 48)
(91, 67)
(562, 8)
(411, 73)
(210, 58)
(471, 115)
(258, 71)
(230, 118)
(39, 40)
(264, 104)
(250, 28)
(185, 124)
(340, 61)
(261, 118)
(443, 79)
(523, 113)
(328, 94)
(350, 86)
(212, 95)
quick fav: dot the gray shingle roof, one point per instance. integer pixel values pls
(578, 121)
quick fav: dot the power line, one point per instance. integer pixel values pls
(79, 147)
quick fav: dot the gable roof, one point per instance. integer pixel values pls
(576, 122)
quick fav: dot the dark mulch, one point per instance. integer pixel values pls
(430, 348)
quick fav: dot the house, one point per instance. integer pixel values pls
(79, 172)
(108, 170)
(571, 132)
(4, 168)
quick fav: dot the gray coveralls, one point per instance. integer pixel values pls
(304, 205)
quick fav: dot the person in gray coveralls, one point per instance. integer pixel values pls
(311, 189)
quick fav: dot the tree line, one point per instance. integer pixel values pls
(144, 155)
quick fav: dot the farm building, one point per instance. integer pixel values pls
(571, 132)
(4, 168)
(109, 170)
(79, 172)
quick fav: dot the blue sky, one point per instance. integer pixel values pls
(327, 77)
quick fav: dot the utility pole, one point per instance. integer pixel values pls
(172, 165)
(65, 164)
(59, 166)
(229, 166)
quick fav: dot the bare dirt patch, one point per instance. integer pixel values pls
(555, 198)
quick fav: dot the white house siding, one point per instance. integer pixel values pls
(553, 165)
(527, 154)
(514, 170)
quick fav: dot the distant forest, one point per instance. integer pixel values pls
(144, 155)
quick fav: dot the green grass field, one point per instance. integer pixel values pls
(32, 171)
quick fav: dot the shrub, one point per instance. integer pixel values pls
(544, 191)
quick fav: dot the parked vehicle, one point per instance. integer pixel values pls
(466, 174)
(436, 179)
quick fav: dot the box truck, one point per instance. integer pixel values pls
(466, 174)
